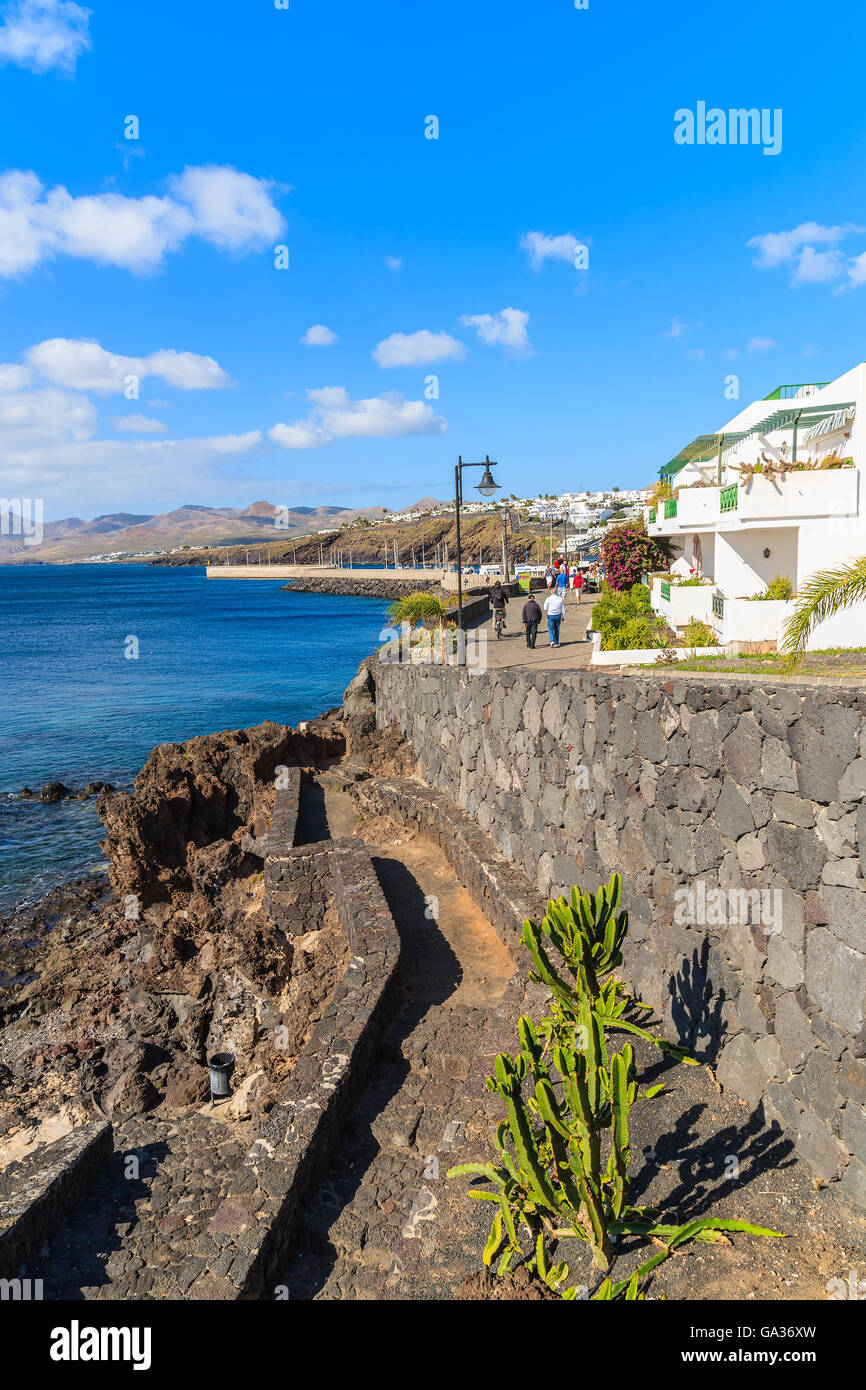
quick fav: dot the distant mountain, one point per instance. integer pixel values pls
(427, 504)
(189, 525)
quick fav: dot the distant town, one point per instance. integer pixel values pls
(584, 514)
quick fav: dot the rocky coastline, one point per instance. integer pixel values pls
(115, 989)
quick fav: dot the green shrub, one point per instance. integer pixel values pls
(625, 619)
(416, 608)
(778, 588)
(699, 634)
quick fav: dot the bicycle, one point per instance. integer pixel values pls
(499, 621)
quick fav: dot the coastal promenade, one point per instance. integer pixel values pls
(511, 652)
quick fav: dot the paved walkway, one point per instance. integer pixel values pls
(510, 650)
(456, 971)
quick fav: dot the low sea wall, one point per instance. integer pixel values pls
(37, 1193)
(299, 1139)
(737, 816)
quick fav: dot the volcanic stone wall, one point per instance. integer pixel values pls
(737, 816)
(37, 1193)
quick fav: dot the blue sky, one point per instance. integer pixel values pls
(305, 128)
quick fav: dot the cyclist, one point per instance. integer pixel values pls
(498, 602)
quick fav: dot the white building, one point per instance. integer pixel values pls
(778, 490)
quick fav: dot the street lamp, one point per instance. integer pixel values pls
(487, 487)
(507, 520)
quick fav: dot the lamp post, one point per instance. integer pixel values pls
(487, 487)
(507, 519)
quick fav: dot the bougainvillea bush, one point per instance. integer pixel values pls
(627, 552)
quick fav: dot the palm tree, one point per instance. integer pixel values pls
(824, 594)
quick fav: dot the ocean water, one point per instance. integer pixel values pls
(75, 708)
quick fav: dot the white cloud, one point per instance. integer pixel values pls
(543, 248)
(777, 248)
(506, 329)
(809, 266)
(761, 344)
(679, 331)
(394, 263)
(49, 449)
(336, 416)
(228, 209)
(82, 365)
(139, 424)
(319, 336)
(42, 419)
(44, 34)
(857, 270)
(13, 377)
(305, 435)
(818, 267)
(415, 349)
(695, 354)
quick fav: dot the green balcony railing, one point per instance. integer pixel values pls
(670, 508)
(652, 516)
(728, 498)
(666, 590)
(718, 606)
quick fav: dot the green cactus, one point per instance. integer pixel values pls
(567, 1101)
(587, 932)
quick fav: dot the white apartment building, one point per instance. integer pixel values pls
(778, 490)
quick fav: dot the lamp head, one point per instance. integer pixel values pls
(488, 485)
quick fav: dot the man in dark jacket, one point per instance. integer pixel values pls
(498, 596)
(532, 616)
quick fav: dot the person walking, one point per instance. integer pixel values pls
(578, 584)
(562, 581)
(532, 616)
(554, 607)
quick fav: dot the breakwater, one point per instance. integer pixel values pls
(380, 586)
(737, 816)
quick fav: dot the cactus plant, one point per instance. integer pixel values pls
(567, 1104)
(588, 932)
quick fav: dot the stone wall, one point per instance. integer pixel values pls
(299, 1138)
(737, 816)
(37, 1193)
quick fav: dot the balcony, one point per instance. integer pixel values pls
(679, 603)
(794, 496)
(756, 622)
(810, 493)
(695, 509)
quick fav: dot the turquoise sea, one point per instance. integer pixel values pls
(75, 708)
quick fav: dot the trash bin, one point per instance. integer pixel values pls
(221, 1066)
